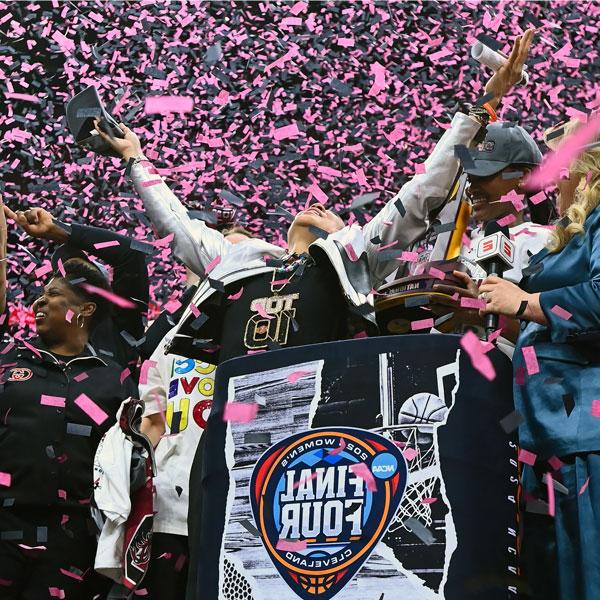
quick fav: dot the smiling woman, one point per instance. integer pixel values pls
(57, 400)
(65, 313)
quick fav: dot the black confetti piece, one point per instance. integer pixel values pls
(217, 284)
(232, 198)
(41, 535)
(569, 403)
(481, 101)
(199, 321)
(413, 301)
(443, 227)
(248, 526)
(533, 269)
(463, 154)
(420, 531)
(364, 200)
(318, 232)
(489, 41)
(77, 429)
(512, 421)
(400, 207)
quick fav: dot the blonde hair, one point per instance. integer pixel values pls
(587, 194)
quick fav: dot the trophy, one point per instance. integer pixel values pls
(411, 297)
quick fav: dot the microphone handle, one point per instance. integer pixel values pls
(495, 269)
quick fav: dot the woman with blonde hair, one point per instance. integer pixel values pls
(557, 371)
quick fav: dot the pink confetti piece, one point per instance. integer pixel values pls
(56, 593)
(110, 296)
(91, 409)
(584, 486)
(195, 310)
(350, 252)
(62, 494)
(527, 457)
(5, 479)
(551, 499)
(125, 373)
(57, 401)
(537, 198)
(530, 357)
(240, 412)
(293, 377)
(168, 104)
(555, 463)
(291, 546)
(151, 182)
(408, 256)
(361, 470)
(360, 335)
(43, 270)
(304, 480)
(146, 365)
(285, 132)
(548, 171)
(212, 264)
(421, 324)
(26, 547)
(520, 376)
(596, 408)
(71, 574)
(471, 344)
(69, 315)
(64, 42)
(32, 348)
(107, 244)
(507, 220)
(561, 312)
(280, 282)
(81, 377)
(262, 311)
(386, 246)
(61, 268)
(180, 562)
(437, 273)
(410, 453)
(237, 295)
(428, 500)
(24, 97)
(339, 448)
(472, 303)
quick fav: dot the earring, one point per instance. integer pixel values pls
(80, 325)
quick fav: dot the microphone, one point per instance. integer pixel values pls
(495, 254)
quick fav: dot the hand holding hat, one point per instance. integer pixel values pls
(128, 146)
(510, 72)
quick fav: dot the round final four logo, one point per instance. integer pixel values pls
(322, 500)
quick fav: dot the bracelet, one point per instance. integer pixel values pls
(480, 115)
(488, 107)
(522, 308)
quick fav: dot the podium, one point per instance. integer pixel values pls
(426, 428)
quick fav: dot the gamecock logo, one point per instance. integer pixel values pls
(20, 374)
(321, 501)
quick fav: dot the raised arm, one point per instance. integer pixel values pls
(408, 211)
(195, 244)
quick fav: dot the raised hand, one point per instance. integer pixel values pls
(38, 223)
(512, 71)
(128, 147)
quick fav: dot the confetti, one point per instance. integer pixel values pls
(561, 312)
(240, 412)
(5, 479)
(362, 470)
(291, 546)
(530, 357)
(293, 377)
(91, 409)
(527, 457)
(57, 401)
(471, 344)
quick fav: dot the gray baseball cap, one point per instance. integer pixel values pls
(503, 146)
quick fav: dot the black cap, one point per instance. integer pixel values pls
(81, 111)
(503, 146)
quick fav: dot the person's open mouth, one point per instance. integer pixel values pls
(40, 315)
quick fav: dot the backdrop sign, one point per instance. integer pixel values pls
(375, 469)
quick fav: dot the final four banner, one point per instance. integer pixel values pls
(374, 469)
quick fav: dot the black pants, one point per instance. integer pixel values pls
(168, 570)
(63, 564)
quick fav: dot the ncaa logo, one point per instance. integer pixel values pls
(322, 500)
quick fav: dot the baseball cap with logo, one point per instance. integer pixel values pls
(503, 146)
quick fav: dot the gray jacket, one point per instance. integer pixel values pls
(197, 245)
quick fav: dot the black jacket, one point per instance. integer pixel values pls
(47, 441)
(118, 335)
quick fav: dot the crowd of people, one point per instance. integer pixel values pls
(61, 391)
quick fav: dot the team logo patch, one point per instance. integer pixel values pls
(322, 500)
(20, 374)
(486, 146)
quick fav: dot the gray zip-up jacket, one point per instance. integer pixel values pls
(198, 246)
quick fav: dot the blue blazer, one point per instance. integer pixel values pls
(557, 402)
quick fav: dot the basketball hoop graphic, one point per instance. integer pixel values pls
(412, 427)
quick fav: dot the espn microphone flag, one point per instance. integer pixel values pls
(496, 246)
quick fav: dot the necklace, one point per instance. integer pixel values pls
(272, 316)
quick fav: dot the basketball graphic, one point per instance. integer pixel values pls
(423, 408)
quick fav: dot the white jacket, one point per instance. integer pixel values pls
(197, 245)
(111, 495)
